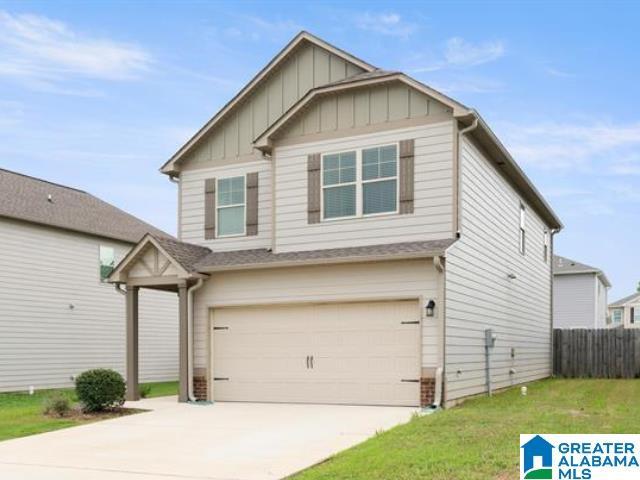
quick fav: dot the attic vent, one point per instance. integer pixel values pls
(49, 198)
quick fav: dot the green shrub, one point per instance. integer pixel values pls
(145, 390)
(57, 404)
(100, 389)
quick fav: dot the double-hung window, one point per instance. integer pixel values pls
(360, 183)
(231, 206)
(616, 316)
(339, 184)
(522, 229)
(379, 180)
(107, 262)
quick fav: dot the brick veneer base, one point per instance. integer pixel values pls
(200, 387)
(427, 391)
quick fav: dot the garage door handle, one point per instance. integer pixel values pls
(311, 361)
(410, 380)
(307, 361)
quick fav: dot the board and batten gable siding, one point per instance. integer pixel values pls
(480, 294)
(574, 301)
(386, 280)
(432, 218)
(43, 341)
(307, 67)
(192, 213)
(374, 105)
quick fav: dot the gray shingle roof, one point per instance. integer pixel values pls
(186, 254)
(27, 198)
(566, 266)
(265, 258)
(624, 300)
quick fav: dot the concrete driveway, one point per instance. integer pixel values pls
(225, 441)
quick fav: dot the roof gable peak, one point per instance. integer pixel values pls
(303, 36)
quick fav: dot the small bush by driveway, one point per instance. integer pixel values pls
(22, 414)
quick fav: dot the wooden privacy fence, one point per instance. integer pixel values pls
(596, 353)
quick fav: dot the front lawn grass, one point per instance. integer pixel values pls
(21, 413)
(479, 440)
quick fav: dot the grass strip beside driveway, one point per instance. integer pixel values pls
(479, 440)
(21, 413)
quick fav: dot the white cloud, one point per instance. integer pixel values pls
(460, 54)
(390, 24)
(467, 85)
(257, 28)
(11, 113)
(583, 144)
(554, 72)
(46, 52)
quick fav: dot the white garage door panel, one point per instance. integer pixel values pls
(361, 353)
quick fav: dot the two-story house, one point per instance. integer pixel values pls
(579, 295)
(58, 314)
(348, 235)
(625, 312)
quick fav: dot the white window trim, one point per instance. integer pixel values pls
(219, 207)
(359, 182)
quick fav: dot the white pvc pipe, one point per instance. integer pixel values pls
(437, 396)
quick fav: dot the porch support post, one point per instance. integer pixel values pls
(183, 394)
(133, 390)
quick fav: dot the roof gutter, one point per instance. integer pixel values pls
(513, 171)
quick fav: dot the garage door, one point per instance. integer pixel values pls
(343, 353)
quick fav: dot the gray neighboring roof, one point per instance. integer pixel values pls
(186, 254)
(257, 258)
(566, 266)
(625, 300)
(27, 198)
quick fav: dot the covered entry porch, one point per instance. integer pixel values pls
(159, 263)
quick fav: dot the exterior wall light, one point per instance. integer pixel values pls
(431, 305)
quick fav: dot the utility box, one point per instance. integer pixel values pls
(489, 338)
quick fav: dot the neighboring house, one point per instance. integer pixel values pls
(579, 295)
(58, 315)
(347, 236)
(625, 312)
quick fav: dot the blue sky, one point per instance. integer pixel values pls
(98, 95)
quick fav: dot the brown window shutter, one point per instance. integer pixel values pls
(406, 176)
(252, 203)
(313, 188)
(210, 208)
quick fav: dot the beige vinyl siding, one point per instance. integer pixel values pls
(574, 301)
(433, 213)
(322, 283)
(479, 293)
(192, 205)
(231, 142)
(42, 341)
(366, 106)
